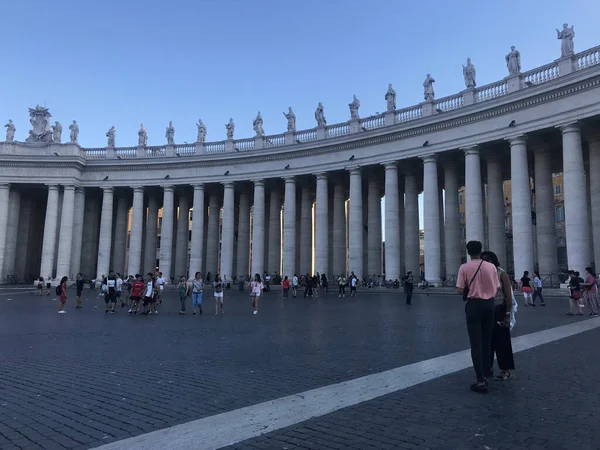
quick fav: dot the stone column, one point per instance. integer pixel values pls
(151, 235)
(392, 225)
(339, 229)
(50, 225)
(23, 239)
(496, 229)
(411, 225)
(78, 216)
(105, 239)
(521, 207)
(65, 240)
(12, 230)
(227, 230)
(181, 244)
(431, 219)
(305, 248)
(355, 222)
(197, 231)
(135, 238)
(289, 228)
(166, 232)
(274, 251)
(258, 228)
(374, 238)
(473, 196)
(243, 250)
(322, 225)
(120, 241)
(442, 232)
(401, 223)
(576, 211)
(544, 211)
(212, 236)
(594, 177)
(452, 220)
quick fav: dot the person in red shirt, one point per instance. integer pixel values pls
(286, 287)
(137, 290)
(63, 295)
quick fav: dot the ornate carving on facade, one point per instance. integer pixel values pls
(170, 134)
(57, 132)
(74, 132)
(257, 125)
(390, 98)
(40, 131)
(10, 131)
(320, 116)
(566, 36)
(428, 92)
(354, 105)
(513, 61)
(291, 120)
(230, 128)
(469, 74)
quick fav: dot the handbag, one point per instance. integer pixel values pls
(466, 288)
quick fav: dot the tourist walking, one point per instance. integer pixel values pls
(501, 345)
(160, 281)
(218, 285)
(62, 292)
(110, 296)
(575, 306)
(537, 289)
(526, 289)
(79, 285)
(137, 291)
(353, 284)
(294, 286)
(591, 292)
(308, 286)
(118, 290)
(341, 286)
(40, 286)
(324, 284)
(477, 282)
(197, 287)
(150, 296)
(183, 293)
(286, 286)
(256, 291)
(409, 285)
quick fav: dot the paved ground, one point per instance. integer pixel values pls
(84, 379)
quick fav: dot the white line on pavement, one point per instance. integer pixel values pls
(221, 430)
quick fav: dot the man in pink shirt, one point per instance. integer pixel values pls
(480, 279)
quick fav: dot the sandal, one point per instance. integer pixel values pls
(481, 388)
(504, 376)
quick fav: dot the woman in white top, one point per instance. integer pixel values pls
(256, 291)
(218, 285)
(537, 288)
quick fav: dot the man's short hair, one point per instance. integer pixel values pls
(474, 248)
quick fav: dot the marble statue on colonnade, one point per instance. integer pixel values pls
(390, 98)
(469, 74)
(74, 128)
(354, 107)
(428, 93)
(291, 118)
(40, 132)
(142, 137)
(566, 36)
(10, 131)
(513, 61)
(320, 116)
(201, 131)
(257, 125)
(170, 134)
(111, 136)
(230, 128)
(57, 132)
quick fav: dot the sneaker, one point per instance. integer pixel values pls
(130, 311)
(193, 314)
(340, 296)
(255, 311)
(543, 304)
(594, 315)
(106, 312)
(135, 312)
(112, 312)
(62, 312)
(156, 312)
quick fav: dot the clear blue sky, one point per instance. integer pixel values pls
(125, 62)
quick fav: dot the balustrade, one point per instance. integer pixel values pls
(126, 152)
(449, 103)
(214, 147)
(156, 152)
(339, 129)
(587, 58)
(277, 140)
(306, 136)
(407, 114)
(185, 149)
(370, 123)
(244, 144)
(541, 74)
(94, 153)
(491, 91)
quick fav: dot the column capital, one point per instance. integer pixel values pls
(354, 170)
(51, 187)
(392, 165)
(6, 186)
(79, 190)
(106, 189)
(199, 187)
(321, 176)
(259, 183)
(291, 180)
(520, 139)
(574, 127)
(429, 158)
(473, 150)
(138, 189)
(228, 184)
(168, 188)
(69, 187)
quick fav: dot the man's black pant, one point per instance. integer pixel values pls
(480, 322)
(409, 290)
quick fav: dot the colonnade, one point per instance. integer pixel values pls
(244, 227)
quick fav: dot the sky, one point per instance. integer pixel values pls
(125, 62)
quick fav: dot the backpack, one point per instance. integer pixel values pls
(58, 290)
